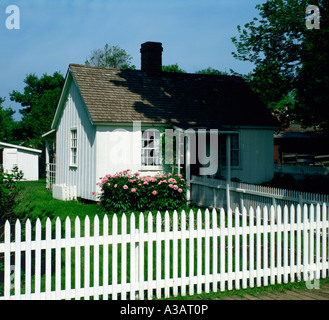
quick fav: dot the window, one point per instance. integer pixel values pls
(235, 150)
(74, 147)
(151, 148)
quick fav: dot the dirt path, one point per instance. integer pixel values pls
(298, 294)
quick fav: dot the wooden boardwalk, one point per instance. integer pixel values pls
(297, 294)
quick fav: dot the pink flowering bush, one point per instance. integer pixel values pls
(126, 192)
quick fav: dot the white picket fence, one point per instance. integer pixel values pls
(165, 256)
(211, 193)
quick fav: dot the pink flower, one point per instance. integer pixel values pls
(180, 190)
(97, 183)
(175, 187)
(182, 180)
(154, 192)
(109, 184)
(169, 174)
(171, 185)
(133, 190)
(125, 187)
(136, 174)
(115, 185)
(139, 184)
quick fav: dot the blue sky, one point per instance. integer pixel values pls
(195, 34)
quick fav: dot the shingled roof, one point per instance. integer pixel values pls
(184, 100)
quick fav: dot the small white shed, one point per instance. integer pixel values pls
(26, 159)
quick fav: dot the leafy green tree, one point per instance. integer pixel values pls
(173, 68)
(39, 101)
(272, 43)
(312, 81)
(284, 52)
(7, 123)
(110, 56)
(212, 71)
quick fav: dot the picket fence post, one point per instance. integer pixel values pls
(114, 257)
(183, 253)
(324, 241)
(123, 256)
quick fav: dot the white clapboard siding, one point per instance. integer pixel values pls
(75, 116)
(145, 257)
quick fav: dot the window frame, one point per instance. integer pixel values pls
(237, 150)
(74, 148)
(157, 157)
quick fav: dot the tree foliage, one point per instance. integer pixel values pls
(273, 43)
(39, 101)
(173, 68)
(212, 71)
(284, 52)
(312, 81)
(110, 56)
(7, 123)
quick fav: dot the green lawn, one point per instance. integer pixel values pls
(43, 205)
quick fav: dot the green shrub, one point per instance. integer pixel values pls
(127, 192)
(9, 192)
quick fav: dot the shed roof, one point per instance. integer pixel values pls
(184, 100)
(14, 146)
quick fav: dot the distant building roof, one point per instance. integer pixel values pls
(184, 100)
(297, 131)
(14, 146)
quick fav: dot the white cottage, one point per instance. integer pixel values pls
(109, 120)
(26, 159)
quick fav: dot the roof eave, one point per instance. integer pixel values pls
(9, 145)
(60, 102)
(68, 80)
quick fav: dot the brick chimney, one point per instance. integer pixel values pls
(151, 57)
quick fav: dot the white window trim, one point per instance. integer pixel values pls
(150, 167)
(239, 150)
(74, 165)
